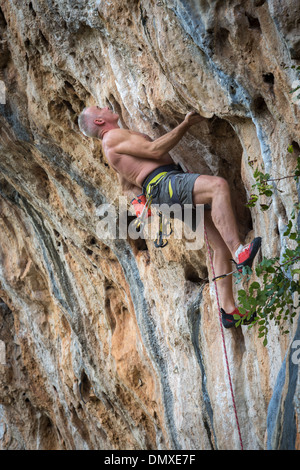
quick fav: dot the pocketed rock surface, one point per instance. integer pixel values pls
(112, 343)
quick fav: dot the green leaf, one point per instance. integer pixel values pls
(288, 228)
(252, 200)
(295, 89)
(265, 342)
(290, 147)
(242, 310)
(270, 269)
(258, 270)
(255, 285)
(264, 207)
(246, 270)
(289, 253)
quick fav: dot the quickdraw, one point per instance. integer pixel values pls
(238, 268)
(222, 276)
(162, 234)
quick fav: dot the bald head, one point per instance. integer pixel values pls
(86, 121)
(95, 121)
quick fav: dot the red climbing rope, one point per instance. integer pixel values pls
(223, 339)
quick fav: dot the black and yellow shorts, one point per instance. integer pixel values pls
(170, 185)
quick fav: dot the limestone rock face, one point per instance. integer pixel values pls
(112, 343)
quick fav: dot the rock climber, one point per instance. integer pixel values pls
(139, 161)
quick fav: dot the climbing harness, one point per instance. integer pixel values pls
(223, 339)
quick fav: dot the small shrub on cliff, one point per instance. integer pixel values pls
(275, 295)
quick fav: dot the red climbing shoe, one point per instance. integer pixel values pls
(246, 257)
(228, 321)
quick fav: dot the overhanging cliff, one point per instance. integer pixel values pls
(114, 344)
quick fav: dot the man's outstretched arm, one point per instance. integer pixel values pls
(168, 141)
(140, 147)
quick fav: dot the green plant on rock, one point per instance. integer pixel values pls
(275, 295)
(297, 70)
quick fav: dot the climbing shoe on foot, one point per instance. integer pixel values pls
(247, 255)
(228, 321)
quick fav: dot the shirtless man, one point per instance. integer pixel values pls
(137, 159)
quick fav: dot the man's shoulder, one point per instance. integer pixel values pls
(118, 133)
(114, 136)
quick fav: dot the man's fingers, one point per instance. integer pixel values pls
(193, 117)
(191, 113)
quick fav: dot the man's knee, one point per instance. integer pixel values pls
(220, 185)
(207, 187)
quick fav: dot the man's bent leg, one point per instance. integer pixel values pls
(215, 190)
(222, 264)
